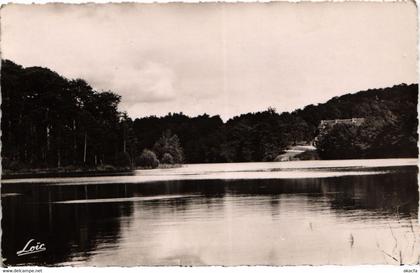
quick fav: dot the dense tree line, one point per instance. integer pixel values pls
(389, 130)
(257, 136)
(375, 138)
(50, 121)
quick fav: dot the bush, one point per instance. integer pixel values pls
(167, 158)
(123, 160)
(147, 159)
(169, 144)
(14, 165)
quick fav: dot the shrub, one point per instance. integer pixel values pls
(167, 158)
(14, 166)
(123, 160)
(170, 144)
(147, 159)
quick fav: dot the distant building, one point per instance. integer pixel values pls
(331, 122)
(327, 124)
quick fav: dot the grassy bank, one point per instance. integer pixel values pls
(65, 172)
(106, 170)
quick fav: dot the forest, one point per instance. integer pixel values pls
(49, 121)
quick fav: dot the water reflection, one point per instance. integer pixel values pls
(335, 220)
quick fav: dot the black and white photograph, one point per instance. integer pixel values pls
(209, 134)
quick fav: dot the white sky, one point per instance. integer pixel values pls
(222, 59)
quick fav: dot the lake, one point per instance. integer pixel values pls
(281, 213)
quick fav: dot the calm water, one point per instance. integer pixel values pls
(291, 213)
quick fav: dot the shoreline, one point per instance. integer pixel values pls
(66, 173)
(261, 169)
(49, 173)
